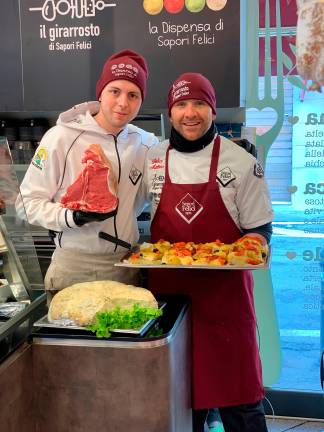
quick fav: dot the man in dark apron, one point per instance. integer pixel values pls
(204, 187)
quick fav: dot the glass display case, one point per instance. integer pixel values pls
(22, 296)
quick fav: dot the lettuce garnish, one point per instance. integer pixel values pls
(131, 319)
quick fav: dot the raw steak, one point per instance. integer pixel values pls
(95, 188)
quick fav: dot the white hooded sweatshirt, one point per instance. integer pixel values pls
(57, 164)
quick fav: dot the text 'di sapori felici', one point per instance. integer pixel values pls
(77, 36)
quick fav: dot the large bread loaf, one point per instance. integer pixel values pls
(81, 302)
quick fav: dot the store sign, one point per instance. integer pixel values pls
(308, 160)
(64, 44)
(73, 35)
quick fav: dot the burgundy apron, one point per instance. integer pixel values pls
(226, 364)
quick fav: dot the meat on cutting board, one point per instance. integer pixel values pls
(95, 189)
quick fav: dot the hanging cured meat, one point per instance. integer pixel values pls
(95, 188)
(310, 42)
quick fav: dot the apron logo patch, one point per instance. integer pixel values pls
(225, 176)
(134, 175)
(258, 170)
(156, 163)
(189, 208)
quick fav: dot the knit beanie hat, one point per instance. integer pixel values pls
(125, 65)
(192, 86)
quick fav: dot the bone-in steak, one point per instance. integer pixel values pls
(95, 188)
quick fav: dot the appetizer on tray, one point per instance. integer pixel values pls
(245, 252)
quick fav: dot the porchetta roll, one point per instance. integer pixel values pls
(80, 302)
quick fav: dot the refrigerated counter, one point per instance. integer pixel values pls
(122, 383)
(72, 381)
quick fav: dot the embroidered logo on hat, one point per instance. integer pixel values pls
(124, 70)
(188, 208)
(180, 84)
(180, 89)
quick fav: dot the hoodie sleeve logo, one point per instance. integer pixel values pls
(40, 158)
(134, 175)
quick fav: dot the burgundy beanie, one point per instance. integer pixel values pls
(192, 85)
(125, 65)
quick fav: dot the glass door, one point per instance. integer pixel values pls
(289, 122)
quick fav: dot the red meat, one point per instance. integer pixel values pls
(95, 188)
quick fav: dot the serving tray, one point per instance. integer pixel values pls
(43, 322)
(125, 263)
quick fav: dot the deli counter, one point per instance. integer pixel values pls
(61, 379)
(22, 296)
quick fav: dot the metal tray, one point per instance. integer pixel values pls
(124, 263)
(43, 322)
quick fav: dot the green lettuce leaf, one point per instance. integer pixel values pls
(119, 318)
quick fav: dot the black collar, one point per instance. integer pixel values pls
(181, 144)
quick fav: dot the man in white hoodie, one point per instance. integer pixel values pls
(88, 244)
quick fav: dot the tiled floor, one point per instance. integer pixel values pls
(295, 425)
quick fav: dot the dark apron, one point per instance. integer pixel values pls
(225, 356)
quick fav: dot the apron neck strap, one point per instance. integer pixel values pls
(214, 159)
(166, 175)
